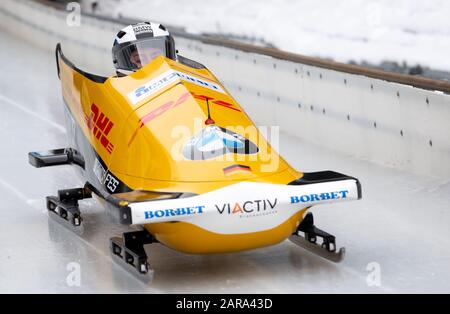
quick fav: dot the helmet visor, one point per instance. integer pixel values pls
(134, 56)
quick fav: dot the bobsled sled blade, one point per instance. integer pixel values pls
(335, 257)
(66, 213)
(131, 261)
(78, 230)
(146, 278)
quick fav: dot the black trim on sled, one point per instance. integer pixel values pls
(190, 63)
(56, 157)
(109, 181)
(120, 207)
(123, 211)
(90, 76)
(325, 176)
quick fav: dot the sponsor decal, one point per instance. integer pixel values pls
(174, 212)
(236, 168)
(152, 86)
(248, 209)
(319, 197)
(111, 182)
(215, 141)
(143, 28)
(107, 179)
(100, 126)
(166, 79)
(158, 112)
(216, 101)
(200, 82)
(233, 210)
(99, 171)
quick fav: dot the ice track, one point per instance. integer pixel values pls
(400, 227)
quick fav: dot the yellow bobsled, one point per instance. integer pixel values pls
(169, 149)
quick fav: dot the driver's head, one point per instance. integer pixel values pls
(139, 44)
(141, 58)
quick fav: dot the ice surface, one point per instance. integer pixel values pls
(414, 31)
(401, 223)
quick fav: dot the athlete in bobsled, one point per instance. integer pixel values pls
(137, 45)
(167, 149)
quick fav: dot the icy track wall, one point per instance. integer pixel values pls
(395, 120)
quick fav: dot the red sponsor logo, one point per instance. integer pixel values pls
(158, 112)
(100, 126)
(172, 104)
(234, 168)
(216, 101)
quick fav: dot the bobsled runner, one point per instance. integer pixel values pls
(170, 152)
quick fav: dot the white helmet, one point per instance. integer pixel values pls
(137, 45)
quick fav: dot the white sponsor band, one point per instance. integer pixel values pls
(166, 79)
(244, 207)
